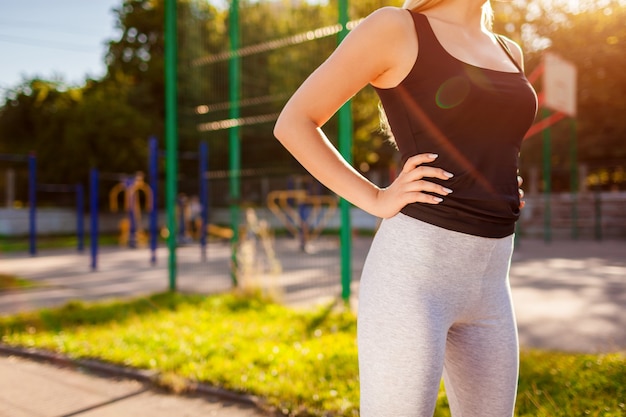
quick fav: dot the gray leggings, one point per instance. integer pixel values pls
(435, 302)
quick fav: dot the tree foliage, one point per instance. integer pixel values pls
(106, 123)
(593, 38)
(138, 57)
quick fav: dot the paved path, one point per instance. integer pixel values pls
(571, 295)
(568, 296)
(35, 389)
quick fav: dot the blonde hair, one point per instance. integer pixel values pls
(421, 5)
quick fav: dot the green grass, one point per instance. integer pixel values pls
(303, 363)
(12, 244)
(11, 282)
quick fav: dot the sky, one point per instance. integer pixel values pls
(54, 38)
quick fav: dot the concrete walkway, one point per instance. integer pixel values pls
(568, 296)
(571, 296)
(37, 389)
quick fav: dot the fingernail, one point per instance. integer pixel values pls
(447, 190)
(448, 174)
(432, 155)
(438, 200)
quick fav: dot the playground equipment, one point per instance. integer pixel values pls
(189, 213)
(131, 229)
(303, 215)
(190, 220)
(250, 263)
(220, 231)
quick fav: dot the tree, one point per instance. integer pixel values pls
(106, 122)
(106, 130)
(599, 57)
(75, 129)
(592, 36)
(34, 118)
(138, 57)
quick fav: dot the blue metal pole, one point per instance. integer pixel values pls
(153, 167)
(80, 217)
(93, 214)
(32, 203)
(204, 196)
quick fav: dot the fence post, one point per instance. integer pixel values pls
(153, 179)
(234, 93)
(547, 178)
(345, 148)
(10, 191)
(597, 200)
(203, 155)
(32, 203)
(171, 135)
(80, 217)
(573, 153)
(93, 214)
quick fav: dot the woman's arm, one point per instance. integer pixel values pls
(374, 52)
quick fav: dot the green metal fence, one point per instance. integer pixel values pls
(229, 71)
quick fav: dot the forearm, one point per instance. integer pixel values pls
(308, 144)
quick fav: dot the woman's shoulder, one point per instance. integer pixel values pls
(390, 12)
(389, 34)
(388, 15)
(389, 23)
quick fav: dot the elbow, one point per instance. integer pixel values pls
(291, 125)
(282, 128)
(279, 129)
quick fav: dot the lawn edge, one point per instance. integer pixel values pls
(150, 378)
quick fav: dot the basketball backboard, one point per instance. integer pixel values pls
(559, 84)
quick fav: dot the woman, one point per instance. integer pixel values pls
(434, 297)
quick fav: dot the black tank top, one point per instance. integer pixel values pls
(474, 119)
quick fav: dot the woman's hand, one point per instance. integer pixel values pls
(410, 186)
(520, 181)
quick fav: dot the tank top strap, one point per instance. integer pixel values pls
(507, 50)
(428, 43)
